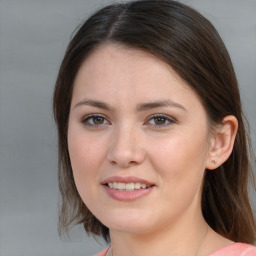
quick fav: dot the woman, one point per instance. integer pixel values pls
(153, 151)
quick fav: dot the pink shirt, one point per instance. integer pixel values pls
(236, 249)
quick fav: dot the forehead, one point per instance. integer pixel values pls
(115, 72)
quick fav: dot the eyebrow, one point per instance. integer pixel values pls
(140, 107)
(94, 103)
(157, 104)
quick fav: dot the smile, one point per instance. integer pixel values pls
(127, 186)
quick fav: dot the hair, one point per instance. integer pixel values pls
(189, 43)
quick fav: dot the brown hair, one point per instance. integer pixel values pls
(189, 43)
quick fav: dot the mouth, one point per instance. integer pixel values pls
(127, 186)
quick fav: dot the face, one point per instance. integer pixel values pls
(137, 140)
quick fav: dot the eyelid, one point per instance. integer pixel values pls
(170, 119)
(87, 117)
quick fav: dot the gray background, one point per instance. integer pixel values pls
(33, 37)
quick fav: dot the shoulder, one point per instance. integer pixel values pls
(103, 253)
(236, 249)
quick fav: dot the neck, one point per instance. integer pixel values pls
(182, 238)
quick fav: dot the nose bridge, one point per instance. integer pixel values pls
(126, 146)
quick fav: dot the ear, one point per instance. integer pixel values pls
(222, 142)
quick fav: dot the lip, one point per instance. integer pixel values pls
(123, 195)
(128, 179)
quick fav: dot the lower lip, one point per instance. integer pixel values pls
(123, 195)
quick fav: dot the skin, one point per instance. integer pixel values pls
(171, 152)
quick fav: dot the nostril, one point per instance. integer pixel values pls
(113, 162)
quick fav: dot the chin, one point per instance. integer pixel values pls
(131, 222)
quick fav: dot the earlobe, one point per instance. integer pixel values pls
(222, 142)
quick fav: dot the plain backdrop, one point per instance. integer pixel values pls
(33, 38)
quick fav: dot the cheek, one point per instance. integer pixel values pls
(86, 155)
(181, 170)
(85, 151)
(178, 151)
(180, 161)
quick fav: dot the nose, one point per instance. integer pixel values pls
(126, 148)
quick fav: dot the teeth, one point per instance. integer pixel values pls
(115, 185)
(137, 185)
(120, 186)
(143, 185)
(127, 186)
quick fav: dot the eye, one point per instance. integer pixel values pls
(94, 120)
(160, 120)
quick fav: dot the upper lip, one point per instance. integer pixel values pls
(129, 179)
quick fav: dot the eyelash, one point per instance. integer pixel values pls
(86, 119)
(166, 118)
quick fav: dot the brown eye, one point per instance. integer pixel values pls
(95, 120)
(98, 120)
(160, 120)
